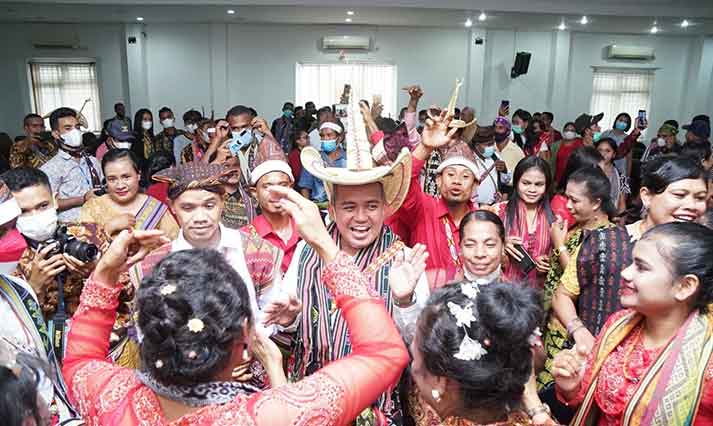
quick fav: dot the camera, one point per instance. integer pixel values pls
(69, 244)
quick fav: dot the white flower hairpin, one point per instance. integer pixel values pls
(469, 348)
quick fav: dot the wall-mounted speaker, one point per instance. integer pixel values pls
(522, 63)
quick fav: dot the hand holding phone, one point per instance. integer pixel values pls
(641, 121)
(526, 263)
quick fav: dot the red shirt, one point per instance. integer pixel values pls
(264, 230)
(566, 149)
(295, 164)
(425, 218)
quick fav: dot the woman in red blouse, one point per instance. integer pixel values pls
(653, 362)
(197, 326)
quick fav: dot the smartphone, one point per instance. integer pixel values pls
(642, 116)
(504, 104)
(527, 263)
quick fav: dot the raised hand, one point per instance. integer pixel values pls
(568, 369)
(282, 311)
(128, 248)
(436, 133)
(405, 273)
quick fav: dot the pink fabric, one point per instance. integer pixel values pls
(411, 120)
(559, 208)
(101, 151)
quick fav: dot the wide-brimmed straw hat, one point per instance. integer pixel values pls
(361, 168)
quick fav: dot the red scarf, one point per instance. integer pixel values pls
(12, 245)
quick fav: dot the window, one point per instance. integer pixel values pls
(323, 84)
(66, 84)
(621, 90)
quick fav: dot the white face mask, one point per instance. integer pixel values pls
(40, 226)
(167, 123)
(147, 125)
(191, 128)
(122, 145)
(569, 135)
(73, 138)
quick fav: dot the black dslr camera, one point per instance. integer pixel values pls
(69, 244)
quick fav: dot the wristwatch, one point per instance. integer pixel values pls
(544, 408)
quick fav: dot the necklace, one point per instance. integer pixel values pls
(635, 342)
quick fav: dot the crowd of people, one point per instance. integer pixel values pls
(341, 267)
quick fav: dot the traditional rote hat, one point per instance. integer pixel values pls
(361, 168)
(270, 158)
(192, 175)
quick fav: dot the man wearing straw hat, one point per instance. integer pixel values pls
(360, 197)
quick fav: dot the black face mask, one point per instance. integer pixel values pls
(500, 137)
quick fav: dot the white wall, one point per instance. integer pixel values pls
(215, 66)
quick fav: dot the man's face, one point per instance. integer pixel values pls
(546, 121)
(328, 135)
(268, 200)
(456, 184)
(238, 123)
(483, 145)
(33, 199)
(34, 127)
(198, 212)
(358, 212)
(467, 115)
(164, 115)
(64, 126)
(120, 110)
(309, 106)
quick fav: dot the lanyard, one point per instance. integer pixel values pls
(451, 242)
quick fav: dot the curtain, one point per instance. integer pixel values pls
(56, 85)
(620, 90)
(323, 84)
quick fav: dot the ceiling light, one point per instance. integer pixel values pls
(469, 23)
(654, 29)
(139, 18)
(231, 12)
(562, 26)
(584, 20)
(350, 12)
(482, 16)
(685, 23)
(348, 20)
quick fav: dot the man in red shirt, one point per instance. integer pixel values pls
(274, 224)
(435, 221)
(587, 126)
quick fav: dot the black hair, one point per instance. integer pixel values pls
(699, 150)
(523, 115)
(585, 156)
(18, 392)
(625, 115)
(662, 171)
(164, 109)
(569, 123)
(158, 161)
(237, 110)
(193, 116)
(296, 134)
(507, 315)
(138, 119)
(117, 104)
(549, 115)
(511, 209)
(423, 112)
(483, 216)
(60, 113)
(25, 177)
(253, 111)
(673, 123)
(598, 187)
(286, 105)
(387, 125)
(688, 250)
(611, 142)
(206, 288)
(91, 143)
(30, 116)
(117, 154)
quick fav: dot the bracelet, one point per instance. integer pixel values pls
(544, 408)
(574, 325)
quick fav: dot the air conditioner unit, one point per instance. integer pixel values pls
(346, 43)
(56, 42)
(640, 53)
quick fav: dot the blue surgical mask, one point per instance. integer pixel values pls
(489, 151)
(329, 146)
(517, 130)
(621, 125)
(596, 136)
(287, 113)
(242, 138)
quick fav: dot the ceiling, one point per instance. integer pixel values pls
(612, 16)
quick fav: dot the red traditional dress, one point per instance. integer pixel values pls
(110, 395)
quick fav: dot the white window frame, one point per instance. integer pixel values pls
(611, 112)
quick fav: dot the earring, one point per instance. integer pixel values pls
(436, 395)
(246, 353)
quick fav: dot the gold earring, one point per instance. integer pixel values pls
(436, 395)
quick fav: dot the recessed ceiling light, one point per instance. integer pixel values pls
(685, 23)
(231, 12)
(469, 23)
(562, 26)
(584, 20)
(348, 20)
(139, 18)
(654, 29)
(482, 16)
(350, 12)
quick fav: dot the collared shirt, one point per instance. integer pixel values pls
(70, 177)
(316, 187)
(180, 142)
(231, 246)
(488, 187)
(425, 218)
(264, 230)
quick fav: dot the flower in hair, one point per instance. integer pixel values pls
(464, 315)
(195, 325)
(192, 355)
(470, 349)
(535, 338)
(168, 289)
(470, 290)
